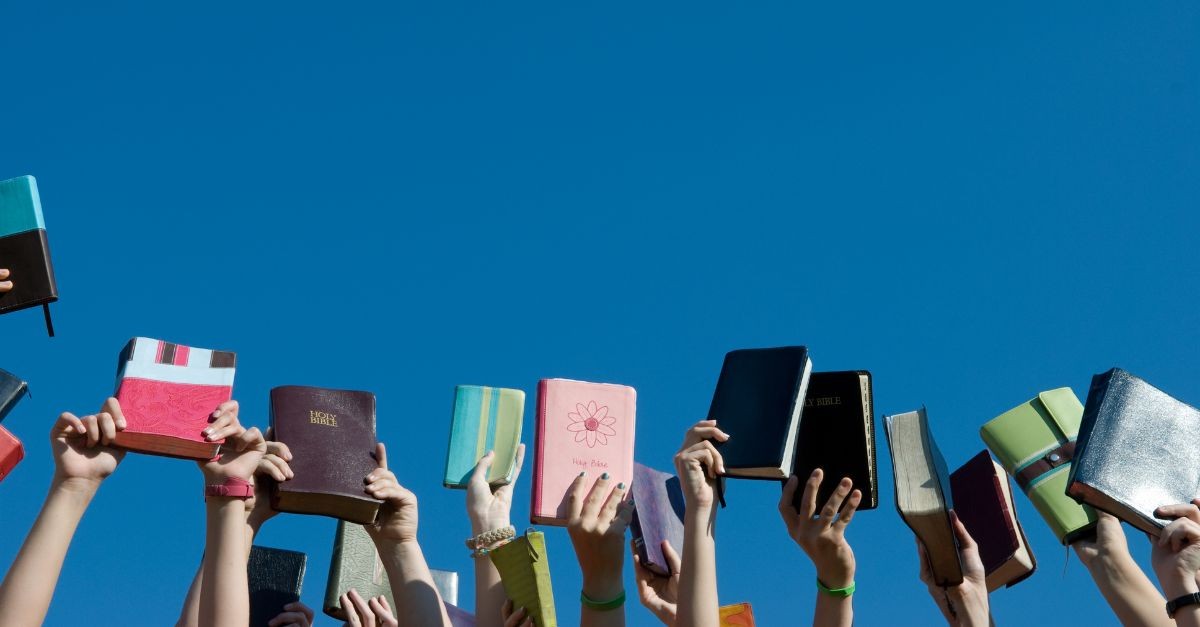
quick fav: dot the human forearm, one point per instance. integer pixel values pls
(413, 589)
(602, 587)
(489, 594)
(698, 606)
(223, 596)
(833, 611)
(27, 589)
(1129, 592)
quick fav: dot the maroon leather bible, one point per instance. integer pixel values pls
(331, 434)
(983, 501)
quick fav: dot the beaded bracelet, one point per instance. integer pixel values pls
(483, 551)
(488, 538)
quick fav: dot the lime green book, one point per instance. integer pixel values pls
(1035, 442)
(525, 574)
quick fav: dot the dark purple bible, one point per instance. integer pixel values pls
(657, 516)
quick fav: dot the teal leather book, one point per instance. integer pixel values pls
(24, 249)
(485, 419)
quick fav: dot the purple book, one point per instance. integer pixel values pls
(657, 516)
(460, 617)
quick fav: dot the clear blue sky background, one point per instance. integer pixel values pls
(973, 202)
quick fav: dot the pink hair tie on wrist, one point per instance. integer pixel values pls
(233, 488)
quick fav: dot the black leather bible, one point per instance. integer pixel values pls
(275, 577)
(837, 435)
(758, 402)
(24, 249)
(12, 390)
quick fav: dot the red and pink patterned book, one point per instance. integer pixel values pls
(581, 427)
(11, 452)
(167, 393)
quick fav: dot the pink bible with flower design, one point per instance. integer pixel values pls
(167, 393)
(581, 427)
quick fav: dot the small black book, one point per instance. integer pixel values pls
(758, 401)
(12, 390)
(837, 435)
(275, 577)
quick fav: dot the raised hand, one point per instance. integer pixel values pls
(1176, 553)
(657, 593)
(515, 618)
(223, 422)
(596, 522)
(397, 521)
(238, 457)
(5, 284)
(698, 463)
(967, 603)
(822, 535)
(1109, 542)
(81, 446)
(273, 467)
(294, 614)
(488, 509)
(363, 613)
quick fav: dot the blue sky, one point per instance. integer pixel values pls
(973, 202)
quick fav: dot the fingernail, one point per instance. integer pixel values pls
(814, 473)
(604, 476)
(207, 431)
(621, 486)
(583, 473)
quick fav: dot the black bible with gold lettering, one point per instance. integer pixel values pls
(837, 435)
(331, 435)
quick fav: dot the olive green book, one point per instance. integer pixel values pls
(525, 573)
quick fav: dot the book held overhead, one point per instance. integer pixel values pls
(837, 435)
(276, 577)
(24, 249)
(484, 419)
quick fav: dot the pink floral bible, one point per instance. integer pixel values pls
(581, 427)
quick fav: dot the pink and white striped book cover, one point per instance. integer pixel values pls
(167, 393)
(581, 427)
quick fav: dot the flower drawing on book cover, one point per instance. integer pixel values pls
(591, 424)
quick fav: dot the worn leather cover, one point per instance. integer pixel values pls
(758, 401)
(355, 564)
(168, 392)
(658, 508)
(11, 452)
(24, 248)
(331, 434)
(837, 435)
(737, 615)
(276, 577)
(1032, 433)
(12, 390)
(980, 504)
(1137, 450)
(485, 419)
(581, 426)
(524, 571)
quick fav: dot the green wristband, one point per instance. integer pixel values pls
(840, 593)
(602, 606)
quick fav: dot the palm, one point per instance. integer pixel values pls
(1110, 538)
(76, 461)
(395, 523)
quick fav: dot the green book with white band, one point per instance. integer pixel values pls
(1035, 442)
(485, 419)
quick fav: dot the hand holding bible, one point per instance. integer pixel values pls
(81, 446)
(698, 463)
(658, 594)
(397, 521)
(822, 533)
(489, 509)
(596, 522)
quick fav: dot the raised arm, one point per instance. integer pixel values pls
(1129, 592)
(822, 536)
(596, 521)
(395, 536)
(1175, 557)
(224, 595)
(964, 605)
(657, 593)
(488, 511)
(698, 463)
(82, 460)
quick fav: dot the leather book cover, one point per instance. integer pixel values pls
(657, 516)
(581, 426)
(923, 496)
(1035, 442)
(981, 500)
(485, 419)
(837, 435)
(737, 615)
(276, 577)
(758, 401)
(524, 571)
(1136, 450)
(11, 452)
(331, 434)
(24, 248)
(355, 564)
(12, 390)
(167, 393)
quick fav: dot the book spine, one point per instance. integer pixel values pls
(1097, 395)
(539, 434)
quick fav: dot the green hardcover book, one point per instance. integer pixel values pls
(485, 419)
(1035, 442)
(525, 573)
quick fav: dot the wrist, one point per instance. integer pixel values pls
(484, 525)
(835, 578)
(1179, 583)
(603, 588)
(75, 485)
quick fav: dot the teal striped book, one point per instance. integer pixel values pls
(485, 419)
